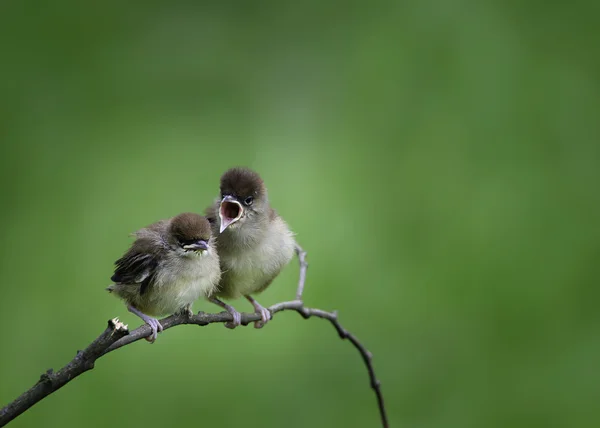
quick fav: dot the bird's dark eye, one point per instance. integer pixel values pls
(183, 242)
(248, 201)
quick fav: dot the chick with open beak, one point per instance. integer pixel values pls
(230, 211)
(254, 242)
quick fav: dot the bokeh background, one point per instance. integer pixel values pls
(439, 160)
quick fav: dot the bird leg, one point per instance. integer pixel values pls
(152, 322)
(187, 310)
(303, 267)
(264, 313)
(237, 317)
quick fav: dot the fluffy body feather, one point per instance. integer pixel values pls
(253, 255)
(158, 276)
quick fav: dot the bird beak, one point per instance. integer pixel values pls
(230, 211)
(200, 245)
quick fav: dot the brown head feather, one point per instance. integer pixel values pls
(242, 182)
(190, 226)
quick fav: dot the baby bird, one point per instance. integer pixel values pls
(169, 265)
(254, 242)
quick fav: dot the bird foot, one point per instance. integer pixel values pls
(154, 324)
(156, 327)
(237, 317)
(264, 313)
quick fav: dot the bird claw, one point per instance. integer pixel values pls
(156, 327)
(237, 319)
(152, 322)
(264, 313)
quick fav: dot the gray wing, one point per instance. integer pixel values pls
(136, 267)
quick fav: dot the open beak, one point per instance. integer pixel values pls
(200, 245)
(230, 211)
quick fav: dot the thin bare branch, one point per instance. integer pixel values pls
(303, 267)
(53, 381)
(116, 336)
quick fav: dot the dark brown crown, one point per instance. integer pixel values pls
(190, 227)
(242, 182)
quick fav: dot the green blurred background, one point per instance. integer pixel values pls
(439, 160)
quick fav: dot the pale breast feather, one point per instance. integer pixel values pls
(183, 280)
(263, 262)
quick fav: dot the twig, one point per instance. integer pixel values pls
(52, 381)
(117, 335)
(303, 267)
(364, 352)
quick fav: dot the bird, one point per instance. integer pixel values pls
(170, 264)
(254, 243)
